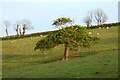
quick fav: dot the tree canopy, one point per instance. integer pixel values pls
(100, 16)
(62, 21)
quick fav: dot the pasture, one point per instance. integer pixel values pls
(19, 60)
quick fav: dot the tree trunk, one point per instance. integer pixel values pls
(17, 30)
(66, 53)
(20, 31)
(24, 28)
(6, 31)
(87, 24)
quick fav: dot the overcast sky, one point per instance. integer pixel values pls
(43, 12)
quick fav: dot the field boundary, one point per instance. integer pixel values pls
(47, 32)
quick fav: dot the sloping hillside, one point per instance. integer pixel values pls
(20, 60)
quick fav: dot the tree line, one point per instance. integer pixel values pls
(20, 26)
(98, 16)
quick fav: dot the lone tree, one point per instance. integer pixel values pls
(100, 16)
(7, 24)
(61, 22)
(71, 36)
(26, 25)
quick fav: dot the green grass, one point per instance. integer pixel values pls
(100, 61)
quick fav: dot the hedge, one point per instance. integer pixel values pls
(105, 25)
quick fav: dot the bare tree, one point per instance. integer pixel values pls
(17, 26)
(20, 31)
(26, 25)
(89, 18)
(7, 24)
(100, 16)
(88, 21)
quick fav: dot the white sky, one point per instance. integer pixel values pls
(59, 0)
(43, 12)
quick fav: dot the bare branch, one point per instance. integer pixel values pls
(100, 16)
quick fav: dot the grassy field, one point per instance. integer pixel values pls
(19, 60)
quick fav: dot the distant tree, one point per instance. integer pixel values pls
(7, 24)
(71, 36)
(20, 31)
(17, 25)
(89, 18)
(60, 22)
(88, 21)
(26, 25)
(100, 16)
